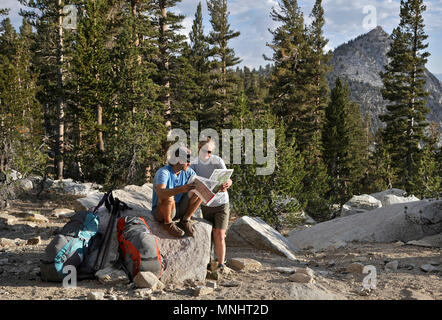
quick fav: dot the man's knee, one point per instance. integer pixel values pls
(165, 209)
(193, 197)
(167, 202)
(170, 200)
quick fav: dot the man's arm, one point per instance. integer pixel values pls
(164, 193)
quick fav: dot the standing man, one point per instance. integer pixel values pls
(170, 194)
(218, 211)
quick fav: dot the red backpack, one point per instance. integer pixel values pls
(139, 249)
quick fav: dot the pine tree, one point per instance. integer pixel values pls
(335, 136)
(270, 197)
(380, 171)
(368, 142)
(9, 99)
(199, 60)
(344, 143)
(404, 80)
(438, 161)
(222, 90)
(199, 44)
(20, 120)
(135, 124)
(173, 66)
(318, 62)
(357, 154)
(429, 176)
(52, 61)
(89, 89)
(254, 89)
(298, 92)
(184, 89)
(289, 83)
(32, 147)
(298, 86)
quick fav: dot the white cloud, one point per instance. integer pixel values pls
(344, 21)
(187, 26)
(14, 7)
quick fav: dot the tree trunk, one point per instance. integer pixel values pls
(137, 39)
(165, 58)
(410, 131)
(100, 130)
(134, 13)
(224, 83)
(60, 102)
(77, 146)
(2, 161)
(3, 149)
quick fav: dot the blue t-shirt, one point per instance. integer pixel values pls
(165, 175)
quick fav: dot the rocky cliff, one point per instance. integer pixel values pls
(360, 61)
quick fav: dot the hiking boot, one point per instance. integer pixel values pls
(173, 229)
(223, 269)
(212, 265)
(187, 227)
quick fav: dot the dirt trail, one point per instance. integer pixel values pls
(19, 266)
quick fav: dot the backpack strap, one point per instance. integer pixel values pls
(122, 266)
(121, 206)
(104, 200)
(109, 202)
(61, 257)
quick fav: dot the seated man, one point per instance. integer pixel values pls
(170, 198)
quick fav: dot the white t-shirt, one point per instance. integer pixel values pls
(205, 169)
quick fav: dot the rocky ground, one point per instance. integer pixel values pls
(402, 271)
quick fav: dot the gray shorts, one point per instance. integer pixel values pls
(219, 216)
(178, 211)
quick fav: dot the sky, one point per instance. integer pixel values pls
(345, 20)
